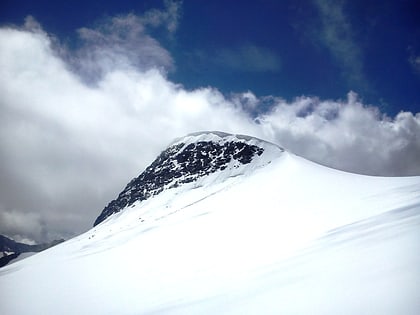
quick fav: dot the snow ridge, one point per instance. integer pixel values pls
(189, 158)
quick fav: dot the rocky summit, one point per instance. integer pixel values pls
(185, 161)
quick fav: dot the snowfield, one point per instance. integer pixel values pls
(280, 235)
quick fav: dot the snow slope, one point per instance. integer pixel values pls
(280, 235)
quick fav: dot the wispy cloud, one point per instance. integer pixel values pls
(119, 42)
(414, 60)
(248, 58)
(337, 35)
(169, 17)
(125, 41)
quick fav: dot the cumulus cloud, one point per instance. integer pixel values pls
(68, 147)
(347, 135)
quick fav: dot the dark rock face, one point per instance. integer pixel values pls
(9, 245)
(15, 248)
(8, 258)
(178, 165)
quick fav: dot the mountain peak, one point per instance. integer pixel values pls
(216, 136)
(189, 158)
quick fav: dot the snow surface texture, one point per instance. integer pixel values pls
(282, 235)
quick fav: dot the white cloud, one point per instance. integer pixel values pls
(121, 42)
(67, 147)
(347, 135)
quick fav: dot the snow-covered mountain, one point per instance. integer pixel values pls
(226, 224)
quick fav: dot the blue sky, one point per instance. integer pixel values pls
(91, 92)
(283, 48)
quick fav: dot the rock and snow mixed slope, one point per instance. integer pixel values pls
(211, 230)
(188, 160)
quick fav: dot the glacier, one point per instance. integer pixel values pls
(277, 235)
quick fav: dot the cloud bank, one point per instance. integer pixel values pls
(67, 146)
